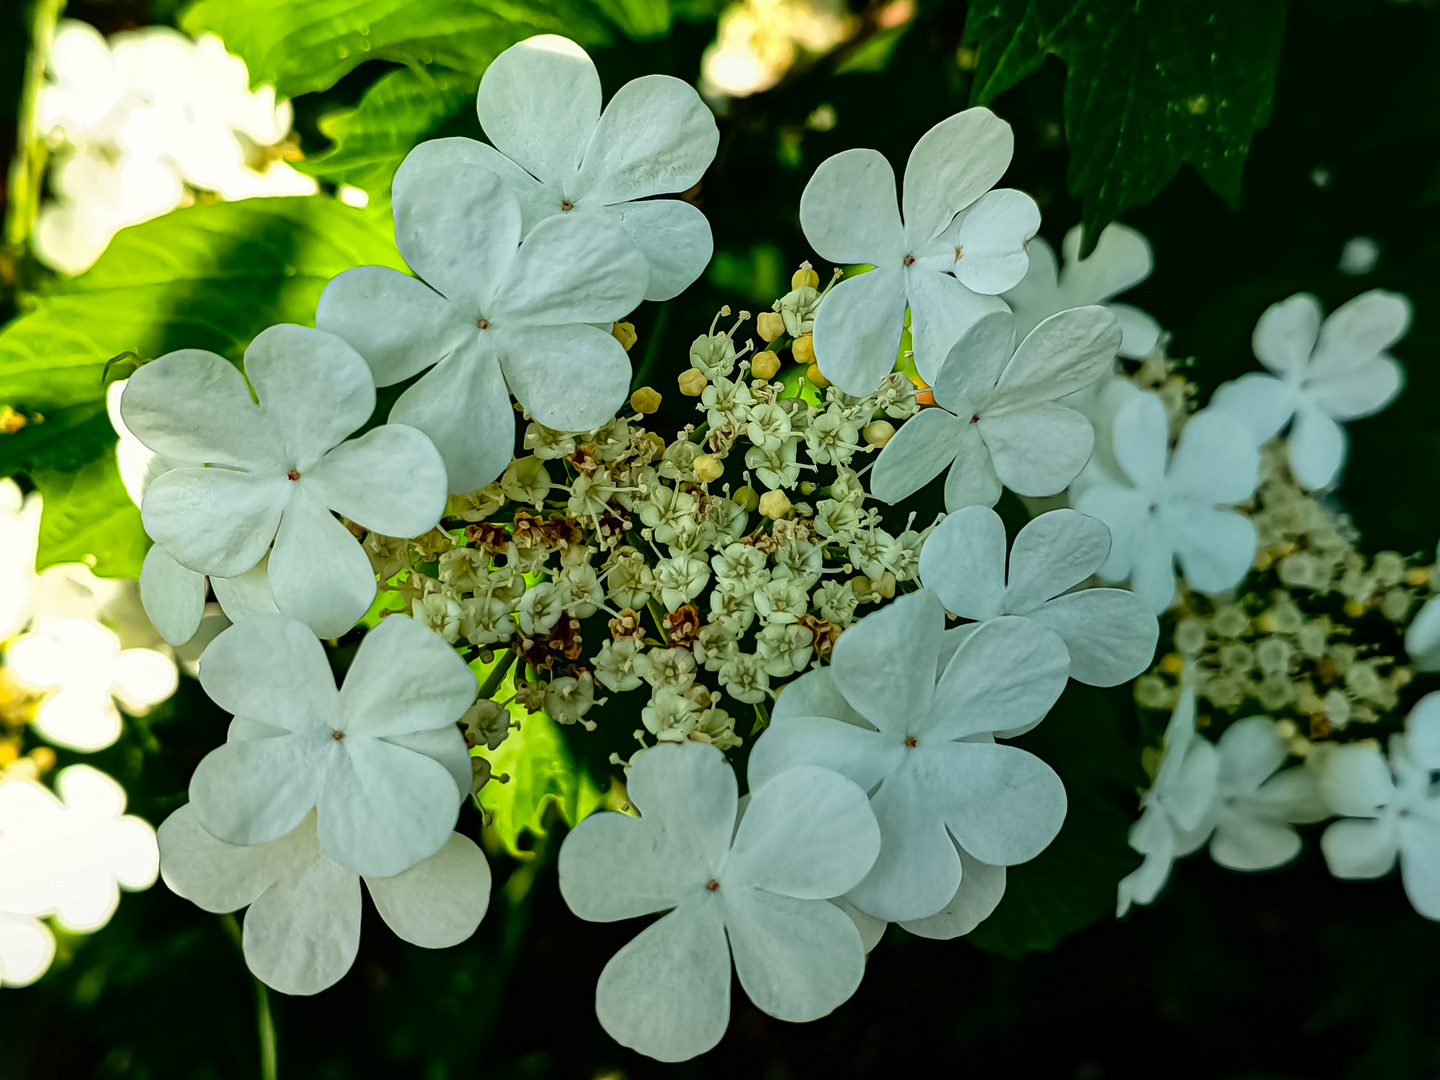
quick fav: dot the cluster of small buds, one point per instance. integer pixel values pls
(17, 709)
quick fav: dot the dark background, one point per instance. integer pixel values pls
(1285, 975)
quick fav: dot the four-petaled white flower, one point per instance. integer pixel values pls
(999, 420)
(556, 152)
(1390, 811)
(1257, 803)
(924, 746)
(1323, 374)
(1121, 260)
(959, 244)
(303, 927)
(1175, 812)
(83, 672)
(69, 856)
(1173, 506)
(275, 470)
(380, 760)
(491, 313)
(807, 835)
(1110, 633)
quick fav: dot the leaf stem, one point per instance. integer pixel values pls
(264, 1020)
(497, 675)
(30, 152)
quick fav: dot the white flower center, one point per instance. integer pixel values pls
(482, 323)
(712, 885)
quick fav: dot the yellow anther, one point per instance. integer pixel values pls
(1354, 608)
(624, 333)
(1172, 664)
(765, 364)
(804, 276)
(692, 382)
(645, 401)
(769, 325)
(803, 349)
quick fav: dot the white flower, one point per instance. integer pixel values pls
(1164, 510)
(1121, 260)
(557, 153)
(924, 746)
(1389, 811)
(380, 760)
(303, 927)
(958, 239)
(806, 836)
(1257, 802)
(26, 948)
(1323, 374)
(83, 671)
(278, 468)
(998, 419)
(491, 314)
(1109, 633)
(70, 858)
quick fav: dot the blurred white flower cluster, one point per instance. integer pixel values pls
(140, 122)
(757, 42)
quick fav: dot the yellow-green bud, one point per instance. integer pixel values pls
(765, 365)
(774, 504)
(624, 333)
(746, 499)
(645, 401)
(803, 349)
(804, 276)
(692, 383)
(879, 432)
(769, 325)
(708, 468)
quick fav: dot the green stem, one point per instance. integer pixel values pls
(30, 153)
(497, 674)
(264, 1021)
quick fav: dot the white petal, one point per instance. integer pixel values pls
(1139, 438)
(570, 378)
(390, 479)
(537, 200)
(1152, 573)
(439, 901)
(1250, 751)
(1038, 294)
(1038, 449)
(689, 790)
(1140, 332)
(655, 137)
(26, 949)
(1359, 390)
(993, 238)
(248, 594)
(617, 867)
(808, 833)
(458, 227)
(572, 268)
(797, 959)
(398, 324)
(918, 870)
(814, 694)
(404, 678)
(269, 667)
(667, 992)
(1110, 634)
(319, 573)
(1262, 402)
(981, 888)
(871, 929)
(1359, 330)
(966, 380)
(1216, 548)
(963, 561)
(221, 877)
(1253, 843)
(848, 211)
(675, 239)
(1317, 448)
(972, 480)
(1121, 260)
(143, 679)
(1360, 849)
(954, 163)
(302, 934)
(1422, 731)
(539, 102)
(384, 808)
(884, 664)
(1286, 334)
(941, 311)
(1002, 804)
(916, 454)
(215, 521)
(442, 745)
(313, 385)
(1422, 637)
(257, 790)
(194, 407)
(1007, 675)
(831, 743)
(1065, 353)
(1355, 781)
(1420, 865)
(858, 328)
(1052, 553)
(1215, 460)
(174, 597)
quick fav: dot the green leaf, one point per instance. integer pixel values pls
(61, 440)
(398, 110)
(88, 517)
(206, 277)
(1150, 84)
(638, 19)
(305, 45)
(1072, 882)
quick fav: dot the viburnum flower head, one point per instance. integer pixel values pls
(958, 244)
(380, 760)
(273, 470)
(924, 746)
(302, 931)
(807, 835)
(1390, 810)
(492, 313)
(1322, 374)
(999, 420)
(1121, 260)
(1175, 814)
(1173, 506)
(558, 153)
(1257, 802)
(1109, 634)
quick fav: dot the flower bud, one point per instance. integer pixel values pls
(816, 376)
(774, 504)
(624, 333)
(692, 383)
(803, 349)
(878, 432)
(885, 585)
(769, 325)
(708, 468)
(645, 401)
(746, 499)
(804, 276)
(765, 365)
